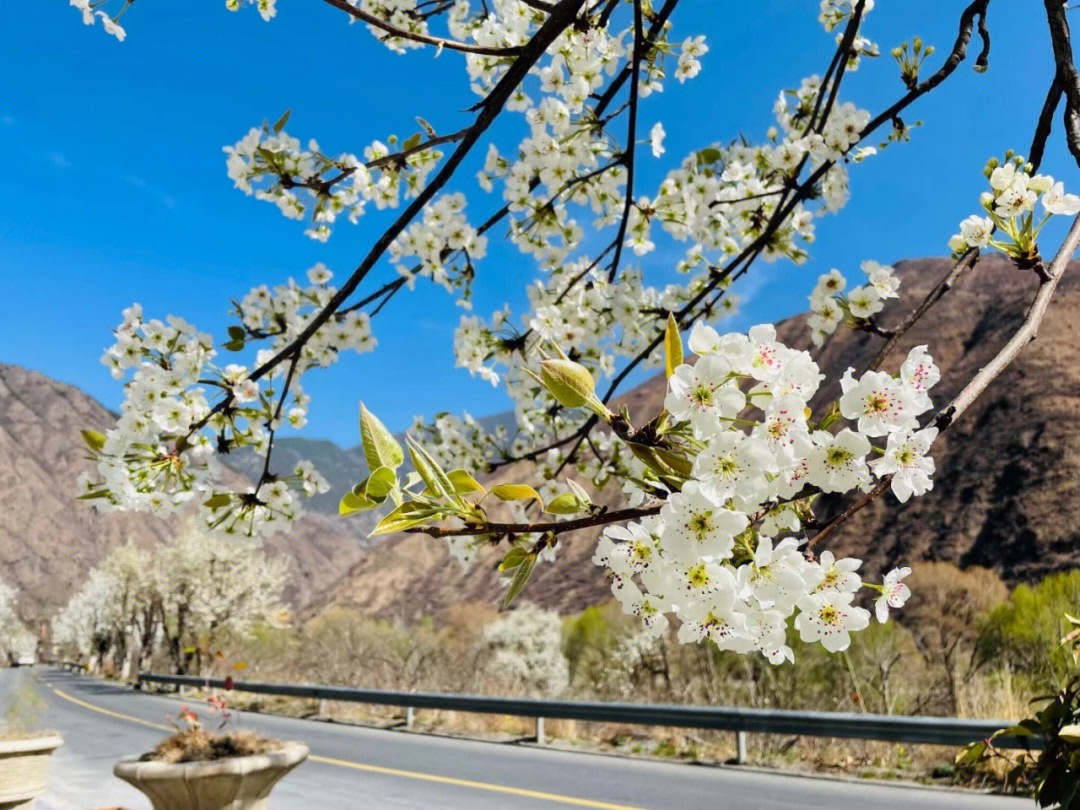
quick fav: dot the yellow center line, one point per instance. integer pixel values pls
(360, 766)
(100, 710)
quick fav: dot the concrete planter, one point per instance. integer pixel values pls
(235, 783)
(23, 764)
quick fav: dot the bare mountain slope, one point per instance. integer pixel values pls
(1008, 482)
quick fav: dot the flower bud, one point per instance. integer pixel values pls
(572, 385)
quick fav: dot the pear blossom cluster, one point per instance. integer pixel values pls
(271, 165)
(267, 8)
(161, 456)
(442, 232)
(92, 12)
(457, 441)
(1009, 222)
(718, 202)
(835, 13)
(565, 177)
(279, 314)
(830, 306)
(725, 554)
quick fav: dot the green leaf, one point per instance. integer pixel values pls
(972, 753)
(433, 475)
(565, 504)
(579, 490)
(352, 502)
(234, 346)
(380, 484)
(673, 350)
(380, 447)
(93, 496)
(463, 482)
(662, 462)
(412, 141)
(517, 492)
(709, 154)
(94, 440)
(514, 557)
(406, 516)
(1069, 733)
(281, 122)
(217, 501)
(237, 333)
(521, 578)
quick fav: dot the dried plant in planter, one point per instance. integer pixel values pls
(193, 743)
(197, 769)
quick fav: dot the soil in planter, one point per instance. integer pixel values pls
(199, 745)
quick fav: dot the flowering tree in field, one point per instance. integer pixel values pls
(180, 600)
(527, 650)
(718, 529)
(210, 587)
(14, 637)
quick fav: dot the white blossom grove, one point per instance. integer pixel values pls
(176, 600)
(15, 638)
(719, 530)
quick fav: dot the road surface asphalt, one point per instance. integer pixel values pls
(374, 769)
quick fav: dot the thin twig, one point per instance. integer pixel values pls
(427, 39)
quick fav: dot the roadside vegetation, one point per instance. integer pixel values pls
(965, 646)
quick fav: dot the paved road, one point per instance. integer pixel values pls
(371, 769)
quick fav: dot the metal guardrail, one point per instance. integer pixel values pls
(891, 728)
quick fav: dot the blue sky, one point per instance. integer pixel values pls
(114, 187)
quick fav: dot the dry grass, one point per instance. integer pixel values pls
(198, 745)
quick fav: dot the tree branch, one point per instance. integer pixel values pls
(555, 527)
(631, 139)
(449, 44)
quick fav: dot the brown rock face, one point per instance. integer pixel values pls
(49, 539)
(1007, 491)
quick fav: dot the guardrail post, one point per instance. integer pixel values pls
(740, 747)
(410, 717)
(540, 739)
(322, 708)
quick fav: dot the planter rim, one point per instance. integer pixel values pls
(44, 742)
(291, 753)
